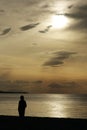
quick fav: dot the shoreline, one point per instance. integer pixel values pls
(39, 123)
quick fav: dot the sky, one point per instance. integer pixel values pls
(43, 46)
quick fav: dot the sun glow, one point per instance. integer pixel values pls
(59, 21)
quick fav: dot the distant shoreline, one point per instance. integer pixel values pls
(41, 123)
(2, 92)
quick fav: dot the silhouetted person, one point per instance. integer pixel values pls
(21, 106)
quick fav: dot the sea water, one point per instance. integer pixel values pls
(46, 105)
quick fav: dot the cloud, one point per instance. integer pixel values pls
(4, 74)
(55, 85)
(5, 31)
(81, 23)
(45, 6)
(75, 15)
(38, 82)
(71, 84)
(81, 26)
(34, 44)
(64, 54)
(53, 63)
(2, 11)
(27, 27)
(82, 7)
(45, 30)
(65, 87)
(13, 85)
(58, 58)
(70, 6)
(79, 14)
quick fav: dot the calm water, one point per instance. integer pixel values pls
(46, 105)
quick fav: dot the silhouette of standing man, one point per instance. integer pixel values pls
(21, 106)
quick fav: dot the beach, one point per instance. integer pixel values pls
(39, 123)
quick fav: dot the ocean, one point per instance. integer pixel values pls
(46, 105)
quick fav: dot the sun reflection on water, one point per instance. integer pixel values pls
(51, 109)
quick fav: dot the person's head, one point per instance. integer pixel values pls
(22, 97)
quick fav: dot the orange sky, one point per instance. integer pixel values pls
(43, 41)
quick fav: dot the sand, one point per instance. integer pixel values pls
(41, 123)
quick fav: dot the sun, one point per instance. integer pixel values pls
(59, 21)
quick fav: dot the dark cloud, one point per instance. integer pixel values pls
(45, 30)
(58, 58)
(45, 6)
(81, 21)
(70, 6)
(34, 44)
(82, 8)
(30, 26)
(53, 63)
(62, 55)
(2, 11)
(5, 31)
(79, 14)
(76, 15)
(81, 26)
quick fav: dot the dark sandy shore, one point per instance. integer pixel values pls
(41, 123)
